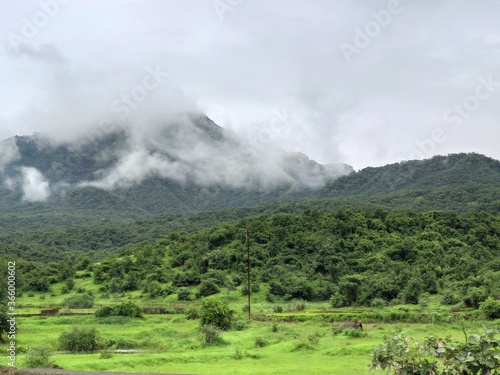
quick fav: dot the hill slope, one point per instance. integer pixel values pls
(459, 182)
(179, 167)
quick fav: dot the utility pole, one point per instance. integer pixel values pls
(248, 271)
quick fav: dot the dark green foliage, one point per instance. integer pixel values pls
(104, 311)
(207, 288)
(449, 298)
(216, 313)
(125, 309)
(184, 294)
(128, 309)
(260, 342)
(80, 339)
(474, 297)
(79, 301)
(490, 309)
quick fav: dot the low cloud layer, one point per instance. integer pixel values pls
(408, 63)
(8, 152)
(35, 187)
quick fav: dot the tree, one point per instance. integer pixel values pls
(216, 313)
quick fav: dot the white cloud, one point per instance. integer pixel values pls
(8, 152)
(35, 186)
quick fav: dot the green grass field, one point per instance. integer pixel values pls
(169, 344)
(295, 341)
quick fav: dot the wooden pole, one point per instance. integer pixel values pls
(248, 271)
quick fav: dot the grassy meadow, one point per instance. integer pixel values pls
(300, 340)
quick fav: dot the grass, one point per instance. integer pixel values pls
(168, 343)
(294, 341)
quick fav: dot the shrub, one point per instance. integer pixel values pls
(449, 298)
(103, 312)
(302, 345)
(80, 340)
(378, 303)
(239, 325)
(260, 342)
(352, 332)
(216, 313)
(79, 301)
(423, 300)
(275, 327)
(184, 294)
(128, 309)
(278, 309)
(207, 288)
(474, 297)
(192, 314)
(400, 354)
(39, 357)
(490, 309)
(297, 305)
(337, 300)
(210, 335)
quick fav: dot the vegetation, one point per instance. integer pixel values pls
(480, 354)
(39, 357)
(80, 339)
(215, 313)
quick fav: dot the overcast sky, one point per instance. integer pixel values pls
(365, 82)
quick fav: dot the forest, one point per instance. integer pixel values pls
(348, 256)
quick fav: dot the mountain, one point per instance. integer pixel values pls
(190, 164)
(460, 182)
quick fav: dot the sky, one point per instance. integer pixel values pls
(362, 82)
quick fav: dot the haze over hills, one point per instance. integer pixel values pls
(187, 164)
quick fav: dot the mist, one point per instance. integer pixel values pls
(34, 185)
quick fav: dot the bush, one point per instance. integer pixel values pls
(39, 357)
(80, 340)
(352, 332)
(474, 297)
(278, 309)
(216, 313)
(423, 300)
(79, 301)
(128, 309)
(207, 288)
(490, 309)
(210, 335)
(192, 314)
(239, 325)
(378, 303)
(184, 294)
(449, 298)
(103, 312)
(260, 342)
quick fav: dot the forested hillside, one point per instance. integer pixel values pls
(459, 182)
(191, 165)
(349, 256)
